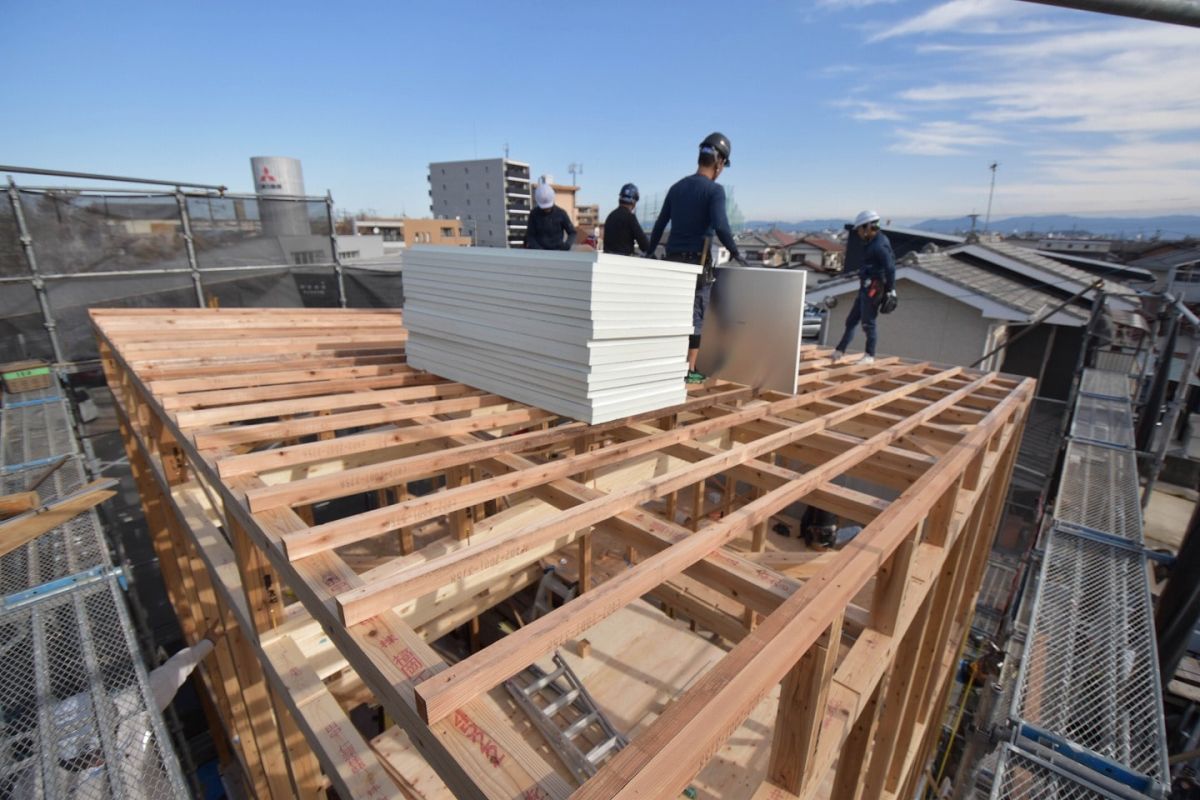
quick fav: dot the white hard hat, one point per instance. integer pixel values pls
(543, 195)
(866, 217)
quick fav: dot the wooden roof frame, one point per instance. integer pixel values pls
(862, 682)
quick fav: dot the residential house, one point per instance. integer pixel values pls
(1175, 269)
(960, 304)
(816, 253)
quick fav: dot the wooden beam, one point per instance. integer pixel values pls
(362, 602)
(438, 696)
(802, 700)
(22, 529)
(693, 727)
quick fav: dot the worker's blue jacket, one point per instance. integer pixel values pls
(879, 263)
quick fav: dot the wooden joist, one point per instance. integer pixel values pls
(258, 427)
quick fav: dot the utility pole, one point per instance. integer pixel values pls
(575, 169)
(988, 219)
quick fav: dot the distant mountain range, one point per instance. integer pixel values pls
(1175, 226)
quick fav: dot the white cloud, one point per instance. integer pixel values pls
(868, 110)
(964, 16)
(853, 3)
(943, 138)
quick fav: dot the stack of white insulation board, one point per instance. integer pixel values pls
(591, 336)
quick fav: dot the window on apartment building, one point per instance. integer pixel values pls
(303, 257)
(447, 231)
(347, 254)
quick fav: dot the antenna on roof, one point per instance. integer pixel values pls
(974, 219)
(988, 220)
(575, 169)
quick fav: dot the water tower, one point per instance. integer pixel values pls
(275, 177)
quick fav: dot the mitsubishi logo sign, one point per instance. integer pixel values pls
(268, 181)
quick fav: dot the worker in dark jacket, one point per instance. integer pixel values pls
(876, 285)
(549, 226)
(695, 207)
(621, 228)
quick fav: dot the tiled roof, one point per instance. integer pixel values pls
(994, 286)
(1173, 258)
(1069, 275)
(824, 244)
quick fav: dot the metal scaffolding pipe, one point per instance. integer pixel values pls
(58, 173)
(1175, 12)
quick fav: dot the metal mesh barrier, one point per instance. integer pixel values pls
(76, 715)
(1090, 672)
(1104, 383)
(1020, 776)
(35, 426)
(79, 233)
(1099, 419)
(233, 231)
(77, 718)
(1112, 361)
(1099, 491)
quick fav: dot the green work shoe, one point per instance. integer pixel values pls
(695, 377)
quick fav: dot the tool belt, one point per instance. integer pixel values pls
(874, 289)
(708, 270)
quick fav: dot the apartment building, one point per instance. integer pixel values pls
(491, 197)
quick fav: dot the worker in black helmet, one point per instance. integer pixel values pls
(621, 228)
(695, 208)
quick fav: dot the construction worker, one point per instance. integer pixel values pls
(876, 285)
(621, 228)
(549, 226)
(695, 207)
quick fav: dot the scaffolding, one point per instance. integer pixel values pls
(1087, 708)
(76, 715)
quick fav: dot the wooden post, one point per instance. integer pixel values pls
(802, 706)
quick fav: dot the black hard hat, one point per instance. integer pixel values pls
(720, 144)
(629, 193)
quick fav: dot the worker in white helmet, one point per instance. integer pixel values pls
(549, 226)
(876, 285)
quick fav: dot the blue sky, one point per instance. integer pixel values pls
(831, 105)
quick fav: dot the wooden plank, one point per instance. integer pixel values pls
(341, 748)
(499, 764)
(469, 678)
(228, 436)
(401, 758)
(695, 725)
(18, 503)
(218, 416)
(21, 530)
(362, 602)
